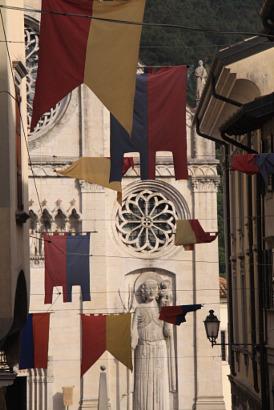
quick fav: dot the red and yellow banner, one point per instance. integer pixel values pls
(190, 232)
(106, 332)
(79, 44)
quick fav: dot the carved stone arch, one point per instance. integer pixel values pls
(75, 220)
(60, 220)
(133, 277)
(33, 220)
(46, 220)
(50, 118)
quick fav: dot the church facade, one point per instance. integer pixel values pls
(132, 244)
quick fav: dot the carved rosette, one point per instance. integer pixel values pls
(146, 221)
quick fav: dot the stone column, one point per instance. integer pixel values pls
(209, 395)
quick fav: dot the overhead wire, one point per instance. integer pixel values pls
(136, 23)
(18, 105)
(110, 310)
(137, 293)
(112, 21)
(16, 100)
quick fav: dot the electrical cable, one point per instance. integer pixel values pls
(110, 310)
(18, 106)
(137, 293)
(135, 23)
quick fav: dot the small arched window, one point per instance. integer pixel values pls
(33, 221)
(74, 221)
(60, 220)
(46, 220)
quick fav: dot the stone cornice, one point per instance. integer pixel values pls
(65, 160)
(203, 175)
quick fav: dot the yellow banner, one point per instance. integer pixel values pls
(95, 170)
(118, 335)
(112, 56)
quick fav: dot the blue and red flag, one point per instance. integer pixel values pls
(159, 124)
(34, 342)
(177, 314)
(67, 264)
(254, 164)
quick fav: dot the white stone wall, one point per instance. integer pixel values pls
(225, 364)
(84, 130)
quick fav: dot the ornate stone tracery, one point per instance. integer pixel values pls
(146, 221)
(49, 119)
(47, 221)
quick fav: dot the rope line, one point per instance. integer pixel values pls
(136, 23)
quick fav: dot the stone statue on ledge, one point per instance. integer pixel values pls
(154, 366)
(201, 77)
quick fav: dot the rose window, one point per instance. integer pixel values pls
(32, 47)
(146, 221)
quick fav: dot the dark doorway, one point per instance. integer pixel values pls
(16, 394)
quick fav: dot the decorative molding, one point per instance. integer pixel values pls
(42, 171)
(205, 184)
(91, 404)
(203, 170)
(91, 188)
(165, 168)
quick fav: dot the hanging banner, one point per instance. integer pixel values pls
(67, 260)
(177, 314)
(159, 124)
(68, 395)
(94, 170)
(189, 232)
(106, 332)
(76, 49)
(34, 341)
(254, 164)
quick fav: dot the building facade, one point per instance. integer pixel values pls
(235, 112)
(14, 250)
(127, 248)
(224, 341)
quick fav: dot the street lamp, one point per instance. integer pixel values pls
(212, 325)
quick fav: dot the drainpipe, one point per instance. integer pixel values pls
(227, 232)
(194, 406)
(261, 299)
(81, 153)
(252, 282)
(238, 144)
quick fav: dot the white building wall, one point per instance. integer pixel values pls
(225, 364)
(84, 130)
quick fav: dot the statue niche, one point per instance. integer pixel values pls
(153, 344)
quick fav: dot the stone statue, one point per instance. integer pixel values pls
(166, 300)
(151, 357)
(201, 77)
